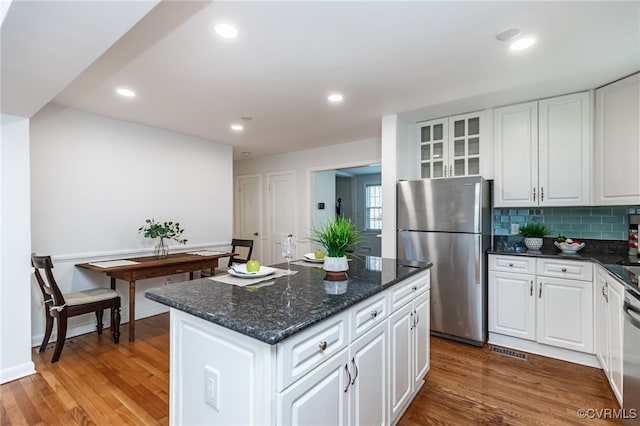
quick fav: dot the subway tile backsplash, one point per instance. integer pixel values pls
(599, 223)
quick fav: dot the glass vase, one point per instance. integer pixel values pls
(161, 250)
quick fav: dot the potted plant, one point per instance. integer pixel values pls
(533, 234)
(336, 237)
(170, 230)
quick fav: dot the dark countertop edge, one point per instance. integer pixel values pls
(278, 336)
(607, 261)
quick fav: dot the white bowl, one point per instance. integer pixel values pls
(569, 248)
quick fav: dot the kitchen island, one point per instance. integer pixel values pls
(290, 351)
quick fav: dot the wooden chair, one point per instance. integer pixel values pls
(235, 243)
(61, 306)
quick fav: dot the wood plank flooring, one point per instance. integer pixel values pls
(99, 383)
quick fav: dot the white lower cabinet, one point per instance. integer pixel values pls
(512, 304)
(609, 327)
(409, 344)
(319, 398)
(551, 303)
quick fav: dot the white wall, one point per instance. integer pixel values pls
(306, 162)
(95, 180)
(15, 250)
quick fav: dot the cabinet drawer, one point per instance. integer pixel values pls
(561, 268)
(406, 292)
(519, 264)
(303, 352)
(367, 315)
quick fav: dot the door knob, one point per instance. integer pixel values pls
(255, 234)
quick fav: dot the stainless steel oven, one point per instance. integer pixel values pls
(631, 357)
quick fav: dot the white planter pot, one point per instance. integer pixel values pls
(533, 243)
(336, 264)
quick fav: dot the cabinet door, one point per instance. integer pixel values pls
(616, 330)
(400, 348)
(464, 145)
(617, 151)
(421, 333)
(565, 313)
(319, 398)
(369, 378)
(564, 151)
(433, 139)
(512, 304)
(516, 155)
(602, 319)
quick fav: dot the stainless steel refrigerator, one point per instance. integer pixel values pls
(448, 222)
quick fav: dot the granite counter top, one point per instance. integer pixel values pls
(278, 309)
(612, 261)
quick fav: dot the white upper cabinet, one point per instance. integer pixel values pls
(542, 153)
(453, 146)
(617, 143)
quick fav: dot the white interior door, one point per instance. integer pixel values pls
(282, 217)
(248, 212)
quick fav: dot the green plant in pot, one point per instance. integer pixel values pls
(170, 230)
(533, 234)
(336, 237)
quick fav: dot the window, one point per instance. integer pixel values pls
(373, 205)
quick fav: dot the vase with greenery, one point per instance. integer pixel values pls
(336, 237)
(170, 230)
(533, 234)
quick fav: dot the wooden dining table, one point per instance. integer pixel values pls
(138, 268)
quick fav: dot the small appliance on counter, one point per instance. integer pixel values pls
(634, 221)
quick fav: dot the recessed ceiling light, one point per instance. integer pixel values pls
(523, 43)
(236, 127)
(508, 33)
(246, 153)
(226, 30)
(335, 97)
(125, 92)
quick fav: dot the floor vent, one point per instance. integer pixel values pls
(509, 352)
(52, 346)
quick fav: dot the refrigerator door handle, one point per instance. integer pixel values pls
(476, 210)
(477, 250)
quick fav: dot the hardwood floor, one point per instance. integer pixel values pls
(97, 382)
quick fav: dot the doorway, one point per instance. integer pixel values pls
(355, 193)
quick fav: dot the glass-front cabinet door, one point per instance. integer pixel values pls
(433, 148)
(450, 147)
(465, 145)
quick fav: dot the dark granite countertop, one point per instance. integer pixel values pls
(611, 257)
(271, 313)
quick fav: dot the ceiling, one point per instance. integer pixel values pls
(418, 59)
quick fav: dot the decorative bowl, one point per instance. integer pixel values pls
(569, 248)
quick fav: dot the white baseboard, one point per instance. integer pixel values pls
(17, 372)
(90, 326)
(549, 351)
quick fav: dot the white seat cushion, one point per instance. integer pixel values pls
(88, 296)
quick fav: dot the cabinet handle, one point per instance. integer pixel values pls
(531, 288)
(450, 170)
(412, 322)
(417, 319)
(346, 369)
(414, 288)
(541, 193)
(540, 292)
(511, 265)
(564, 269)
(534, 194)
(606, 293)
(322, 346)
(355, 369)
(445, 170)
(374, 314)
